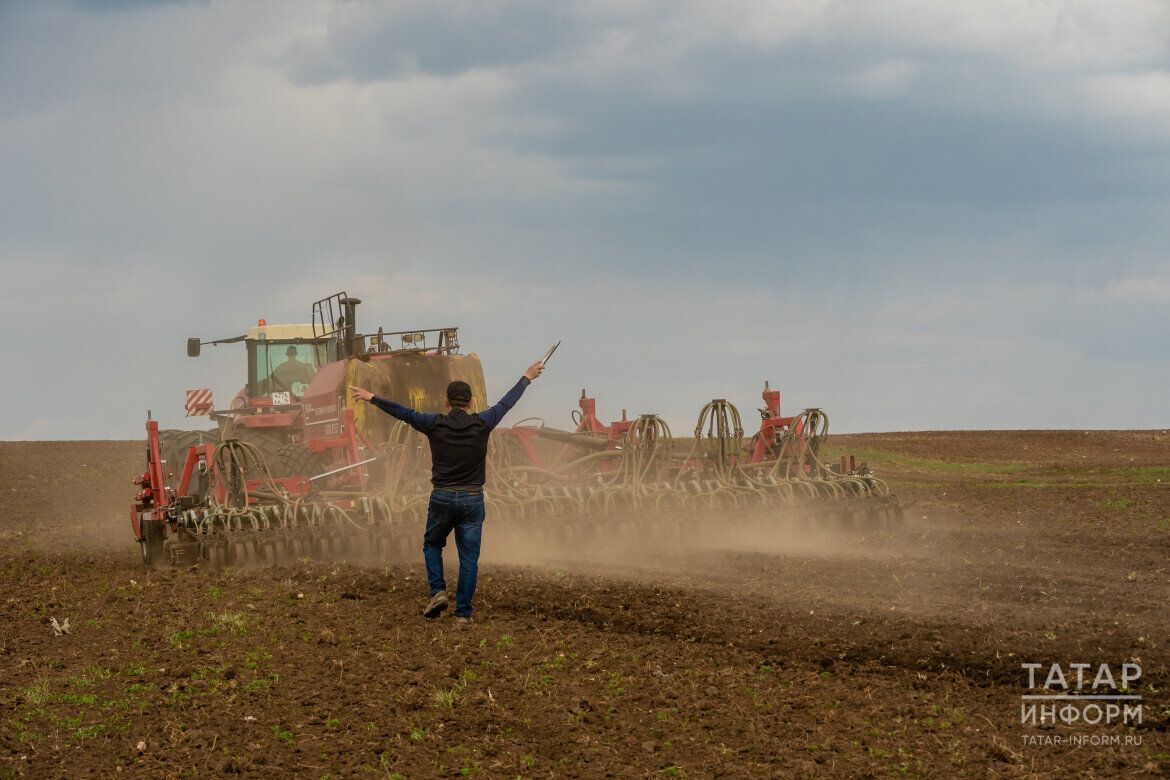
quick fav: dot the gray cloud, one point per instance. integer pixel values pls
(370, 43)
(730, 123)
(115, 6)
(913, 214)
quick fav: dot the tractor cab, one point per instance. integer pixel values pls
(282, 361)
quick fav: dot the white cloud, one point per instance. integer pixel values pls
(1146, 289)
(1136, 105)
(886, 79)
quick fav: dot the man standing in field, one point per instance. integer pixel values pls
(458, 466)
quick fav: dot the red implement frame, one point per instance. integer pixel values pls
(347, 441)
(772, 426)
(615, 432)
(151, 499)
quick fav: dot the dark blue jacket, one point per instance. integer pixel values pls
(458, 439)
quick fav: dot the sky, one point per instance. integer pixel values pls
(913, 214)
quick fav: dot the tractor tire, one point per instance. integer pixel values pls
(296, 460)
(153, 535)
(173, 446)
(268, 445)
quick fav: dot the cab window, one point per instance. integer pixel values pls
(286, 367)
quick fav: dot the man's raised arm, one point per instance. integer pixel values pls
(496, 413)
(420, 421)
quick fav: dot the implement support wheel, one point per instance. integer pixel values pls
(152, 542)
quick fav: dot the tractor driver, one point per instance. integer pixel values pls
(458, 442)
(292, 370)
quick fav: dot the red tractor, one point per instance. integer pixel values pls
(294, 421)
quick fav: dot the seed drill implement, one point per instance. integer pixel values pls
(295, 467)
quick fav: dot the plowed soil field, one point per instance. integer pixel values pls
(793, 652)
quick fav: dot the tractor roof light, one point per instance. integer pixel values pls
(260, 323)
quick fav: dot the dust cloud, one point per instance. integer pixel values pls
(651, 541)
(75, 496)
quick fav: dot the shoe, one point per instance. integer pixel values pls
(461, 620)
(437, 604)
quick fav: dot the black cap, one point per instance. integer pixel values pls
(459, 393)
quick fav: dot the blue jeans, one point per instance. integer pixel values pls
(462, 513)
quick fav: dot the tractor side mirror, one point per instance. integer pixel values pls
(192, 347)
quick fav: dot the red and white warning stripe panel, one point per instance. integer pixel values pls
(199, 402)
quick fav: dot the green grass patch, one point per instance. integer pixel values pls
(235, 622)
(664, 714)
(91, 732)
(256, 657)
(1151, 473)
(181, 640)
(1013, 484)
(37, 693)
(282, 734)
(1039, 475)
(908, 462)
(261, 685)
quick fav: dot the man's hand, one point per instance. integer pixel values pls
(360, 394)
(534, 370)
